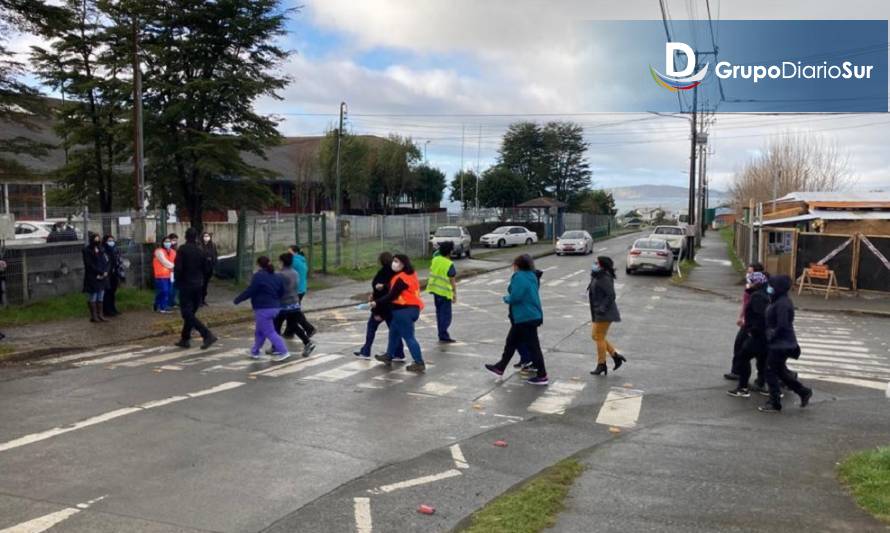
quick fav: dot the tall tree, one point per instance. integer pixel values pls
(206, 64)
(469, 179)
(392, 169)
(597, 202)
(501, 187)
(523, 152)
(355, 180)
(568, 171)
(94, 121)
(429, 185)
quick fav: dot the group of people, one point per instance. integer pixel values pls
(766, 334)
(163, 268)
(103, 272)
(277, 299)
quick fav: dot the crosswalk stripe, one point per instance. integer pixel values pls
(621, 408)
(557, 398)
(838, 347)
(496, 281)
(829, 340)
(842, 366)
(295, 366)
(437, 389)
(343, 371)
(123, 356)
(164, 357)
(866, 360)
(84, 355)
(832, 351)
(868, 383)
(555, 283)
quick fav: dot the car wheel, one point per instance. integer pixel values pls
(501, 243)
(528, 242)
(628, 271)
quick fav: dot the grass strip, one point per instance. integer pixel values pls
(71, 305)
(728, 234)
(686, 266)
(867, 475)
(531, 507)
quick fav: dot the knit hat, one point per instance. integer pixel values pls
(756, 278)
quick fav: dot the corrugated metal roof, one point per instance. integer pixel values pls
(835, 196)
(831, 215)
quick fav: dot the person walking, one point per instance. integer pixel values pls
(162, 264)
(527, 316)
(754, 343)
(781, 344)
(189, 270)
(525, 365)
(174, 288)
(405, 298)
(290, 305)
(382, 312)
(95, 276)
(603, 312)
(742, 335)
(211, 255)
(302, 269)
(116, 276)
(265, 292)
(443, 287)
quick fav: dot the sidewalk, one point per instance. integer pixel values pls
(716, 275)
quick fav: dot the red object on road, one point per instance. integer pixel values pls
(426, 509)
(500, 443)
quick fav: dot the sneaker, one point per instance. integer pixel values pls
(765, 392)
(420, 368)
(209, 341)
(760, 389)
(769, 407)
(165, 311)
(398, 358)
(255, 355)
(494, 370)
(308, 349)
(730, 376)
(446, 341)
(805, 397)
(519, 365)
(538, 380)
(383, 358)
(740, 393)
(281, 357)
(183, 343)
(360, 355)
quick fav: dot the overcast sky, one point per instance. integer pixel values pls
(514, 59)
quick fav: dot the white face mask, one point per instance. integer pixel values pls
(207, 238)
(396, 266)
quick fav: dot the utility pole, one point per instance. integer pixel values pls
(337, 203)
(462, 131)
(690, 235)
(478, 175)
(138, 150)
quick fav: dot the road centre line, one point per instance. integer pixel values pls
(423, 480)
(42, 523)
(111, 415)
(362, 512)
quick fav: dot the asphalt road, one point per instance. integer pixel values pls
(148, 438)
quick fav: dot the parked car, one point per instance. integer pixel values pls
(574, 242)
(457, 235)
(32, 232)
(508, 236)
(674, 235)
(649, 254)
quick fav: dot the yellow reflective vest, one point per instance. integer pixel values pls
(439, 282)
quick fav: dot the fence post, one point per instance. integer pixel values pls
(297, 229)
(25, 276)
(404, 234)
(324, 243)
(241, 245)
(309, 236)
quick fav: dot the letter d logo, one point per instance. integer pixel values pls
(669, 50)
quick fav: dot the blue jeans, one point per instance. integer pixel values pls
(443, 316)
(96, 296)
(162, 294)
(401, 329)
(171, 300)
(371, 332)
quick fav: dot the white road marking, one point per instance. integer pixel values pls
(831, 351)
(343, 371)
(551, 267)
(175, 354)
(660, 289)
(555, 283)
(84, 355)
(828, 340)
(496, 281)
(111, 415)
(867, 383)
(416, 482)
(458, 456)
(45, 522)
(842, 358)
(123, 356)
(836, 348)
(362, 515)
(296, 366)
(437, 389)
(621, 408)
(557, 398)
(842, 366)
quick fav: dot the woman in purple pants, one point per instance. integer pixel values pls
(265, 292)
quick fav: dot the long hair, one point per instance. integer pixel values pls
(287, 260)
(408, 269)
(385, 260)
(524, 262)
(607, 265)
(264, 263)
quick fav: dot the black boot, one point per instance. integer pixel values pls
(600, 369)
(619, 360)
(92, 308)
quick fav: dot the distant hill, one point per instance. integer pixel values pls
(649, 192)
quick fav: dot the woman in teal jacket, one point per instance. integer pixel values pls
(525, 308)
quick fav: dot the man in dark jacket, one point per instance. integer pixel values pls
(753, 331)
(189, 270)
(782, 344)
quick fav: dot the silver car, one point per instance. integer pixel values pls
(650, 254)
(459, 236)
(574, 242)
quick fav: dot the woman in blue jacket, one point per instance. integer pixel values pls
(265, 293)
(527, 316)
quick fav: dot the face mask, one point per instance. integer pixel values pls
(595, 268)
(770, 290)
(110, 244)
(174, 243)
(168, 245)
(207, 239)
(396, 266)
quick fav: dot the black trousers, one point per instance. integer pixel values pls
(751, 347)
(777, 373)
(293, 327)
(524, 334)
(204, 288)
(109, 302)
(189, 301)
(301, 319)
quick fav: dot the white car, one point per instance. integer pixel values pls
(508, 236)
(650, 254)
(459, 236)
(674, 235)
(574, 242)
(32, 231)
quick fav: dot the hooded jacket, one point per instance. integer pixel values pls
(523, 298)
(601, 295)
(95, 267)
(780, 316)
(265, 291)
(755, 310)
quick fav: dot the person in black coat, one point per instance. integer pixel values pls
(116, 275)
(95, 276)
(382, 312)
(603, 312)
(190, 268)
(753, 331)
(782, 344)
(212, 256)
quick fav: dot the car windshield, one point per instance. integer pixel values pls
(448, 232)
(573, 235)
(668, 231)
(649, 245)
(502, 229)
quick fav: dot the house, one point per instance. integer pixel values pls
(723, 217)
(841, 213)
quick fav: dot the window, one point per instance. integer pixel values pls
(502, 229)
(448, 232)
(669, 231)
(573, 235)
(650, 245)
(517, 230)
(24, 229)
